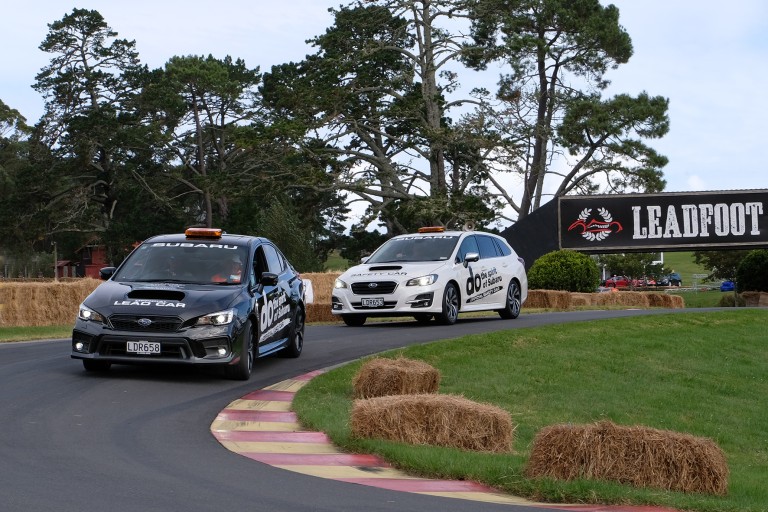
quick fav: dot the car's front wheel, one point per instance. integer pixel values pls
(450, 312)
(513, 302)
(354, 320)
(242, 369)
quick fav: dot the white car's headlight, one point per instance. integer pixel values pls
(89, 315)
(339, 284)
(422, 281)
(220, 318)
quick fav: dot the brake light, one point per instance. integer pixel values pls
(432, 229)
(203, 233)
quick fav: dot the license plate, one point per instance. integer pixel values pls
(372, 303)
(143, 347)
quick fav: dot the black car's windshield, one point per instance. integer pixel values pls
(185, 263)
(415, 248)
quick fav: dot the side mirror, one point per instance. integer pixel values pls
(269, 279)
(364, 259)
(106, 272)
(471, 257)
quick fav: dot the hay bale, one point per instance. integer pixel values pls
(659, 300)
(582, 299)
(381, 376)
(677, 301)
(32, 304)
(435, 420)
(322, 285)
(548, 299)
(320, 312)
(638, 456)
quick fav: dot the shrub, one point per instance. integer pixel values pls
(564, 270)
(752, 272)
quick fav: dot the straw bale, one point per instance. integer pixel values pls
(582, 299)
(548, 299)
(320, 312)
(381, 376)
(31, 304)
(755, 299)
(435, 420)
(638, 456)
(322, 285)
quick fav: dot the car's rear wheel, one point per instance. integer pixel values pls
(450, 312)
(243, 368)
(96, 366)
(354, 320)
(296, 336)
(513, 303)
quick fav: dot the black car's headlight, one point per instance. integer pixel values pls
(87, 314)
(219, 318)
(422, 281)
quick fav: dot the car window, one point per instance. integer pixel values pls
(469, 244)
(503, 248)
(179, 262)
(415, 248)
(488, 248)
(274, 261)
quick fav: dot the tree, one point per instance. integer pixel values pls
(559, 52)
(17, 178)
(752, 272)
(197, 106)
(84, 127)
(720, 264)
(375, 98)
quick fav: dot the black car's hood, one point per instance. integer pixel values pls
(167, 299)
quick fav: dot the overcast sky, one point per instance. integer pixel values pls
(709, 58)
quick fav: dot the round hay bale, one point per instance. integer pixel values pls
(435, 420)
(401, 376)
(638, 456)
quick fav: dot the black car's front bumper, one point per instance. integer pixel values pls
(190, 345)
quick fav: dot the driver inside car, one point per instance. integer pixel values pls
(231, 273)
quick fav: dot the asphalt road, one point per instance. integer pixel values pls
(138, 438)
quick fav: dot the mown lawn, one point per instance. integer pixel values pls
(700, 373)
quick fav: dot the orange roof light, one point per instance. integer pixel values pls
(432, 229)
(203, 233)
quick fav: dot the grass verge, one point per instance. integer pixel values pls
(701, 373)
(8, 334)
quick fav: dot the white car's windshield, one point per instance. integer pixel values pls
(415, 248)
(184, 263)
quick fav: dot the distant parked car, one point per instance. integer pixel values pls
(645, 281)
(727, 286)
(673, 279)
(617, 282)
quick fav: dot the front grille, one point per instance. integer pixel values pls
(374, 288)
(158, 323)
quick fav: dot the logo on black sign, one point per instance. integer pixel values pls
(593, 229)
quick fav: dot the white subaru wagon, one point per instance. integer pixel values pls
(433, 274)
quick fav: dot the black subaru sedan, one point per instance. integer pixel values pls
(202, 297)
